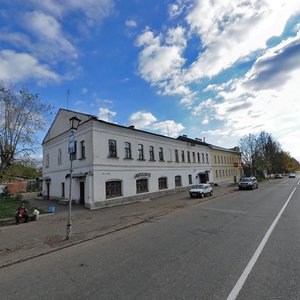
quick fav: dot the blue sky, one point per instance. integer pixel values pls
(213, 69)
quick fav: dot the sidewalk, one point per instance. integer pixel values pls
(47, 234)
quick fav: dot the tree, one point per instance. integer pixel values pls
(22, 116)
(249, 150)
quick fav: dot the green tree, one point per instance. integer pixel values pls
(22, 116)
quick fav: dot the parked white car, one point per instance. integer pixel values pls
(201, 190)
(292, 175)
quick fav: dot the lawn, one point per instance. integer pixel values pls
(9, 205)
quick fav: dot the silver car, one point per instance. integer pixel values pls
(201, 190)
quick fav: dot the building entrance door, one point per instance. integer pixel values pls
(48, 190)
(203, 177)
(82, 191)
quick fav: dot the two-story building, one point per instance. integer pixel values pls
(115, 164)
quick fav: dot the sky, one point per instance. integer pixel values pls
(209, 69)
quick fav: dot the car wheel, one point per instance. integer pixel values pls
(201, 195)
(211, 193)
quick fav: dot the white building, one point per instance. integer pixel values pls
(115, 164)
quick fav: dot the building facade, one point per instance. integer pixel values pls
(226, 165)
(115, 164)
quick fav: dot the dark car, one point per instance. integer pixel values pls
(248, 183)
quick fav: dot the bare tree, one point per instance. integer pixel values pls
(22, 116)
(249, 150)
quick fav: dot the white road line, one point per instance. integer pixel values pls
(238, 286)
(298, 182)
(224, 210)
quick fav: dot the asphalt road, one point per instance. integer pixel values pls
(206, 251)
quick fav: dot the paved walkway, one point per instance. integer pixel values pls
(25, 241)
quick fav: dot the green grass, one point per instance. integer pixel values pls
(9, 205)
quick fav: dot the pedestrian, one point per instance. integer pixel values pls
(22, 213)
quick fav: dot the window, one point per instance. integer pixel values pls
(112, 148)
(182, 156)
(127, 149)
(190, 179)
(177, 181)
(215, 159)
(113, 189)
(206, 155)
(141, 186)
(151, 153)
(47, 159)
(59, 158)
(162, 183)
(198, 156)
(221, 159)
(63, 190)
(202, 154)
(194, 157)
(188, 156)
(140, 152)
(216, 173)
(176, 156)
(161, 154)
(73, 156)
(82, 149)
(218, 159)
(220, 173)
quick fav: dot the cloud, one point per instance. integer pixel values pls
(93, 10)
(168, 128)
(229, 32)
(232, 30)
(51, 41)
(106, 114)
(142, 119)
(17, 67)
(254, 103)
(146, 120)
(84, 90)
(130, 23)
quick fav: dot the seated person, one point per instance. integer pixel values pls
(22, 212)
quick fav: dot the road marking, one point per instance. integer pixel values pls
(238, 286)
(298, 182)
(224, 210)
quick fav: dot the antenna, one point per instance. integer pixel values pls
(68, 94)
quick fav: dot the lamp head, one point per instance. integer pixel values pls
(74, 123)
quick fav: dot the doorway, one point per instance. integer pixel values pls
(203, 177)
(47, 190)
(82, 192)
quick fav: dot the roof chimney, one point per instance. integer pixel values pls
(184, 135)
(131, 126)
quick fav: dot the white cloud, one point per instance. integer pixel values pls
(168, 128)
(17, 67)
(94, 10)
(106, 114)
(84, 90)
(142, 119)
(250, 105)
(130, 23)
(146, 120)
(51, 40)
(232, 29)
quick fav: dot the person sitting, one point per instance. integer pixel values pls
(22, 213)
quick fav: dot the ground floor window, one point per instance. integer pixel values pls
(113, 189)
(162, 183)
(142, 186)
(190, 179)
(178, 181)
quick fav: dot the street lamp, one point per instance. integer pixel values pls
(74, 123)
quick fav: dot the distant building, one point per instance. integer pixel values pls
(226, 164)
(115, 164)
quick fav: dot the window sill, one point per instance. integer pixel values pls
(128, 158)
(82, 158)
(141, 159)
(151, 160)
(113, 157)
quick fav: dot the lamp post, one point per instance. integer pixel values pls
(74, 123)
